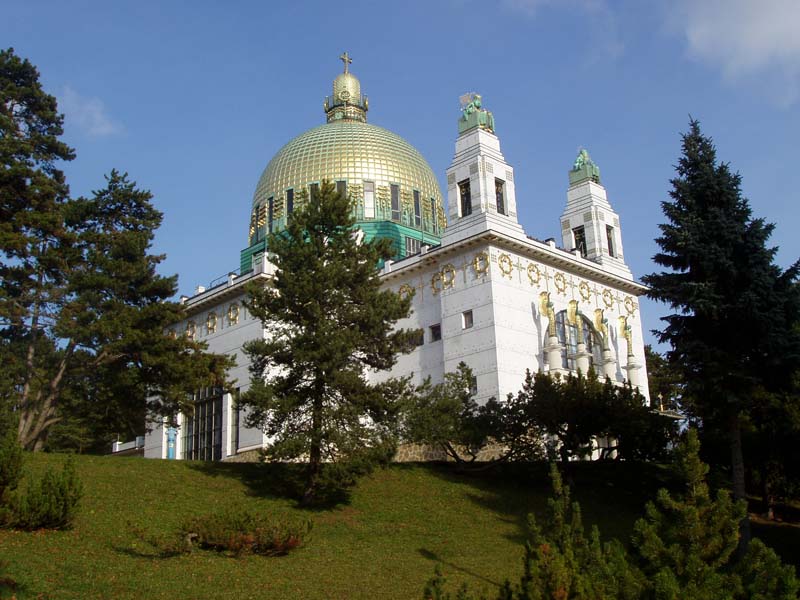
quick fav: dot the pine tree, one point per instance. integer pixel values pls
(34, 243)
(84, 316)
(326, 321)
(731, 329)
(685, 542)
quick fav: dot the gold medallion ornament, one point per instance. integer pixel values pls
(405, 291)
(233, 314)
(584, 291)
(630, 305)
(211, 322)
(506, 265)
(436, 282)
(560, 282)
(608, 298)
(480, 263)
(534, 274)
(448, 276)
(191, 330)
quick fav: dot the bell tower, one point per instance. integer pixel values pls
(589, 225)
(480, 183)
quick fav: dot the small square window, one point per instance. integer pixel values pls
(466, 319)
(436, 332)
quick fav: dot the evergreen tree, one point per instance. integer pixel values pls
(327, 321)
(83, 313)
(686, 541)
(731, 329)
(34, 244)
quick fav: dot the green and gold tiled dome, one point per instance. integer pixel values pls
(392, 188)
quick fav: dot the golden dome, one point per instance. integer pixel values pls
(384, 176)
(353, 152)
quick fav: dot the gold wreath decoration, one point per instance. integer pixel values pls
(448, 276)
(481, 263)
(211, 322)
(608, 298)
(436, 282)
(191, 330)
(233, 314)
(560, 282)
(534, 274)
(584, 291)
(405, 291)
(506, 265)
(630, 305)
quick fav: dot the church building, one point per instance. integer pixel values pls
(484, 291)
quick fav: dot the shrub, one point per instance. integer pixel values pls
(49, 502)
(10, 469)
(242, 532)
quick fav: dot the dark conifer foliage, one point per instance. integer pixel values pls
(327, 321)
(732, 327)
(84, 315)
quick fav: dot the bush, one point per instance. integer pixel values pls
(49, 502)
(10, 470)
(10, 457)
(243, 532)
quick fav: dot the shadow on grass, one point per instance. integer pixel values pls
(612, 495)
(277, 480)
(432, 556)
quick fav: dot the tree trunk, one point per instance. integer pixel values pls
(737, 473)
(766, 496)
(315, 452)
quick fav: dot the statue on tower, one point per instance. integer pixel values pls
(584, 168)
(474, 115)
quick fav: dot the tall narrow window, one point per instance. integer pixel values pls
(261, 222)
(270, 213)
(289, 202)
(499, 193)
(235, 420)
(369, 200)
(417, 210)
(579, 233)
(395, 202)
(610, 239)
(202, 429)
(434, 226)
(466, 198)
(314, 192)
(341, 188)
(436, 332)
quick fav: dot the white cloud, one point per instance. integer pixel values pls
(746, 40)
(87, 113)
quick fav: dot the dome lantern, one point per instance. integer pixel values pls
(346, 103)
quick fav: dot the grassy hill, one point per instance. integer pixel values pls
(383, 543)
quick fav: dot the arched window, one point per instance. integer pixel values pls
(568, 338)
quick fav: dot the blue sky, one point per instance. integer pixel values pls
(192, 99)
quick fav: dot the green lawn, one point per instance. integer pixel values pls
(383, 543)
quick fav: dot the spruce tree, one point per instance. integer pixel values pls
(327, 322)
(731, 330)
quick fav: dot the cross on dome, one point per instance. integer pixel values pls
(345, 58)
